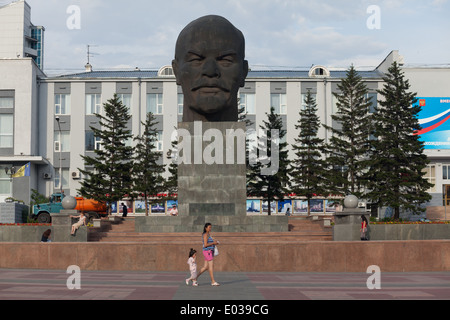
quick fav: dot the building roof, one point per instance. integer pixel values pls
(254, 74)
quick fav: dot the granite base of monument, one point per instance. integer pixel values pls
(212, 184)
(179, 224)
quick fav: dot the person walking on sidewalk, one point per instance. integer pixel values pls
(208, 252)
(192, 268)
(364, 224)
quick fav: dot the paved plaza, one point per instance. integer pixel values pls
(107, 285)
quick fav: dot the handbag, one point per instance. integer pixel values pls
(364, 235)
(216, 251)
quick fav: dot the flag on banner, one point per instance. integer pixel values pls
(23, 172)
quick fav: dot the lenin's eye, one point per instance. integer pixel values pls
(226, 60)
(192, 57)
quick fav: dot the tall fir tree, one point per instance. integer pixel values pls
(397, 163)
(349, 144)
(309, 169)
(110, 180)
(147, 172)
(270, 181)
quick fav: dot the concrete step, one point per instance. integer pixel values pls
(301, 229)
(195, 238)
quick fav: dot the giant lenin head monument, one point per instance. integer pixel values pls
(210, 67)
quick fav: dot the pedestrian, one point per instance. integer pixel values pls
(208, 252)
(124, 210)
(46, 236)
(81, 222)
(363, 230)
(192, 268)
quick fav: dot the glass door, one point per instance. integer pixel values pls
(446, 194)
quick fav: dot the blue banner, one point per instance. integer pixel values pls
(435, 122)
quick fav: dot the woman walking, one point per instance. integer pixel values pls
(208, 252)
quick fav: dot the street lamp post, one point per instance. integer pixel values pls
(10, 172)
(60, 157)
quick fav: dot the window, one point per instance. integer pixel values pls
(159, 141)
(319, 71)
(180, 103)
(446, 171)
(7, 102)
(125, 99)
(430, 175)
(65, 178)
(247, 101)
(62, 104)
(155, 103)
(6, 131)
(166, 71)
(93, 104)
(278, 101)
(91, 142)
(62, 141)
(373, 100)
(5, 181)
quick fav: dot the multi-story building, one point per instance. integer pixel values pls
(46, 121)
(21, 49)
(19, 38)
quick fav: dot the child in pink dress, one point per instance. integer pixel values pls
(192, 268)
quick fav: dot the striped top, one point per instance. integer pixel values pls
(210, 240)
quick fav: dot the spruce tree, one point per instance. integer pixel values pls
(147, 174)
(110, 179)
(270, 181)
(309, 170)
(349, 144)
(396, 173)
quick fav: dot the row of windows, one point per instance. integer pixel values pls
(155, 103)
(62, 141)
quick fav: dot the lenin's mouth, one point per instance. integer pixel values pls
(210, 89)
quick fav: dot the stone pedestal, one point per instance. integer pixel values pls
(348, 224)
(61, 226)
(212, 186)
(12, 213)
(211, 177)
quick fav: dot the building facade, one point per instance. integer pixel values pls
(19, 38)
(46, 121)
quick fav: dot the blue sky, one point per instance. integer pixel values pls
(280, 34)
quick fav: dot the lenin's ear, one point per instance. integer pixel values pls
(175, 70)
(245, 73)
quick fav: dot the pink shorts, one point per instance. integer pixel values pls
(209, 255)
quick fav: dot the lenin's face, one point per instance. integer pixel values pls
(210, 67)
